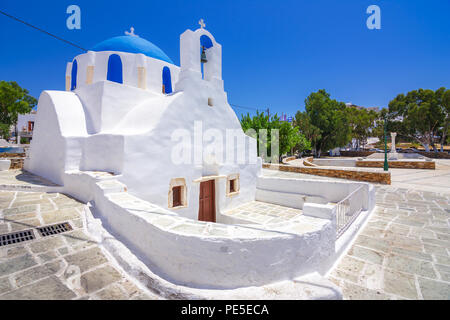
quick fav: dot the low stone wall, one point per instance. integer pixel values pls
(435, 155)
(17, 159)
(343, 173)
(356, 153)
(398, 164)
(287, 159)
(16, 163)
(11, 155)
(308, 162)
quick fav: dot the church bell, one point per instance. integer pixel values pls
(203, 57)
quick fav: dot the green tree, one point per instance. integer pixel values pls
(446, 121)
(326, 120)
(310, 132)
(419, 115)
(14, 100)
(362, 123)
(290, 138)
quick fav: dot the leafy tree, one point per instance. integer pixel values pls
(419, 115)
(14, 100)
(290, 138)
(446, 121)
(5, 130)
(362, 123)
(311, 132)
(326, 120)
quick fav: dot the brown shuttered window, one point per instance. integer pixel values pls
(232, 185)
(176, 191)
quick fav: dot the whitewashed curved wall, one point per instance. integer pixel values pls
(130, 64)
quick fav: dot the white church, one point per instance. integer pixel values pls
(145, 143)
(123, 101)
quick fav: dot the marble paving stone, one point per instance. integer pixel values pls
(351, 265)
(16, 264)
(46, 244)
(50, 288)
(434, 290)
(9, 252)
(99, 278)
(356, 292)
(113, 292)
(24, 224)
(62, 215)
(411, 266)
(47, 256)
(86, 259)
(412, 254)
(400, 284)
(445, 260)
(5, 285)
(366, 254)
(36, 273)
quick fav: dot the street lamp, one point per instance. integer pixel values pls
(386, 166)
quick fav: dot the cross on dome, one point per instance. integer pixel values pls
(201, 23)
(131, 33)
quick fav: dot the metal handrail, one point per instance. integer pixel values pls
(347, 210)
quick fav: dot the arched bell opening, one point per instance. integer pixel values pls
(205, 44)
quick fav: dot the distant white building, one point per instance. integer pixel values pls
(25, 125)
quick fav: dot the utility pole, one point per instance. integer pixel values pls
(386, 166)
(268, 113)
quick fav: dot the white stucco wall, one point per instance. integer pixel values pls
(22, 121)
(130, 64)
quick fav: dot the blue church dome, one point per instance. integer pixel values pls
(132, 44)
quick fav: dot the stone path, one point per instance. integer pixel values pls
(23, 178)
(263, 212)
(404, 250)
(66, 266)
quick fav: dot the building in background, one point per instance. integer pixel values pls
(25, 126)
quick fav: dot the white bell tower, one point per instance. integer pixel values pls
(191, 45)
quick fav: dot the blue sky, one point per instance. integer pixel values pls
(274, 52)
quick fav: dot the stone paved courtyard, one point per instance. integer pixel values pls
(66, 266)
(263, 212)
(404, 250)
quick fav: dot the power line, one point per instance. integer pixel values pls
(242, 107)
(41, 30)
(77, 46)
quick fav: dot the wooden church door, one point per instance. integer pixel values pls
(207, 203)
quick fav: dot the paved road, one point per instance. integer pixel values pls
(66, 266)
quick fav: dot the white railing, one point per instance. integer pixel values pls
(348, 209)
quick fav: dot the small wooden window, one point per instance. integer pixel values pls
(210, 102)
(232, 185)
(176, 192)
